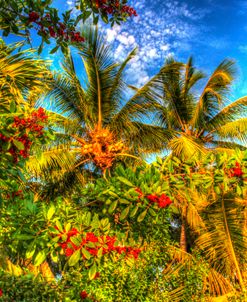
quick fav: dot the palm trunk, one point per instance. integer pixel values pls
(183, 239)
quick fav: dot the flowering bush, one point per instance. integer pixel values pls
(19, 131)
(19, 17)
(26, 130)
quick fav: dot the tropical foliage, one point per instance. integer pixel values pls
(21, 16)
(90, 114)
(198, 121)
(83, 215)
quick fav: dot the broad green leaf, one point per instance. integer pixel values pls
(134, 211)
(67, 227)
(142, 216)
(86, 253)
(152, 212)
(12, 107)
(124, 201)
(88, 218)
(76, 240)
(51, 212)
(124, 213)
(92, 271)
(19, 145)
(59, 226)
(23, 236)
(40, 258)
(113, 206)
(125, 181)
(74, 258)
(54, 256)
(30, 251)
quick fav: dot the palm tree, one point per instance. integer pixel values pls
(98, 120)
(199, 121)
(20, 73)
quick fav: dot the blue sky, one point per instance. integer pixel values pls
(209, 30)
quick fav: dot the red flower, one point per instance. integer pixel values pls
(83, 294)
(121, 249)
(93, 252)
(237, 171)
(69, 252)
(72, 232)
(134, 252)
(1, 292)
(110, 243)
(164, 201)
(91, 237)
(138, 190)
(33, 17)
(153, 198)
(63, 245)
(97, 275)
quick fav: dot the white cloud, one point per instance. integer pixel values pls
(161, 29)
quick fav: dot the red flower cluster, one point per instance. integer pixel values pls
(31, 125)
(113, 7)
(107, 243)
(15, 194)
(237, 171)
(163, 200)
(83, 294)
(33, 17)
(58, 30)
(1, 292)
(138, 190)
(129, 10)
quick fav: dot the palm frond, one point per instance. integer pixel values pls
(229, 113)
(234, 130)
(213, 94)
(101, 73)
(184, 146)
(224, 244)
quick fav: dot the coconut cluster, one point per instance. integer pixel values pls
(102, 147)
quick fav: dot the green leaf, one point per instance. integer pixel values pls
(23, 236)
(54, 49)
(74, 258)
(124, 213)
(12, 107)
(142, 216)
(86, 253)
(40, 258)
(59, 226)
(113, 206)
(88, 218)
(51, 212)
(67, 227)
(76, 240)
(134, 211)
(54, 256)
(92, 272)
(19, 145)
(30, 251)
(124, 201)
(125, 181)
(152, 212)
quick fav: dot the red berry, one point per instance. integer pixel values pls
(33, 17)
(83, 294)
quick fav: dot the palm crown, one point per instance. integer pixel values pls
(99, 119)
(199, 121)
